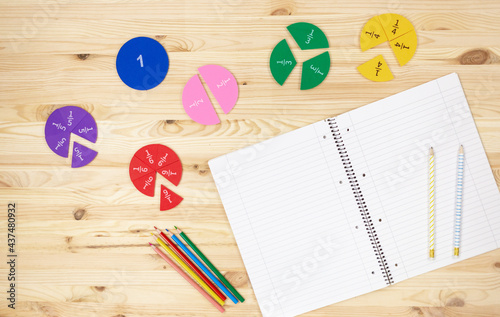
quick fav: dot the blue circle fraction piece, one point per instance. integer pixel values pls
(142, 63)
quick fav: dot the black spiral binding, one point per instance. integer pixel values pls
(360, 201)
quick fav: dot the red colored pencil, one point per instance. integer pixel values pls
(185, 276)
(191, 264)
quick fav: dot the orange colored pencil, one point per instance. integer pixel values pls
(187, 278)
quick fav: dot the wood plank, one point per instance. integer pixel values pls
(82, 234)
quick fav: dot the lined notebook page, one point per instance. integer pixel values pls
(297, 222)
(389, 141)
(293, 230)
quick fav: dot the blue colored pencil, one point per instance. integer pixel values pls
(202, 266)
(458, 207)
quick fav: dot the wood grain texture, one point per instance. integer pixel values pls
(82, 233)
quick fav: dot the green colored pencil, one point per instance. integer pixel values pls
(210, 265)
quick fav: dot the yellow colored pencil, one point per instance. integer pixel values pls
(431, 202)
(190, 272)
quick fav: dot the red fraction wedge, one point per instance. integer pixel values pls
(146, 184)
(172, 172)
(147, 154)
(165, 156)
(138, 168)
(168, 199)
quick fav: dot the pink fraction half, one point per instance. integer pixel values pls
(223, 86)
(197, 104)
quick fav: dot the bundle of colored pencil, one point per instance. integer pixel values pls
(185, 259)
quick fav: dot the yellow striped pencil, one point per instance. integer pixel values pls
(187, 269)
(431, 203)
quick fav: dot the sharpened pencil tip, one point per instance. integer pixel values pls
(152, 234)
(461, 150)
(167, 230)
(176, 227)
(156, 228)
(431, 151)
(150, 244)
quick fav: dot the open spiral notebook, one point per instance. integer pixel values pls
(339, 208)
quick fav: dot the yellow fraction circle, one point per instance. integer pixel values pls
(402, 38)
(376, 69)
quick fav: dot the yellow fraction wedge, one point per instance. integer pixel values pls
(395, 25)
(372, 34)
(404, 47)
(376, 69)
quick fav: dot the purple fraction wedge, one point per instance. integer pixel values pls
(87, 128)
(57, 134)
(82, 155)
(55, 124)
(59, 144)
(72, 116)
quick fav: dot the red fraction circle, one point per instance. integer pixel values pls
(152, 159)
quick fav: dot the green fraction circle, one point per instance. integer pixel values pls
(314, 71)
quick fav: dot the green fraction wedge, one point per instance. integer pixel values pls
(314, 71)
(282, 62)
(308, 36)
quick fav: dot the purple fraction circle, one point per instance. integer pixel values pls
(59, 126)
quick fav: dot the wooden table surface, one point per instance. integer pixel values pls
(82, 234)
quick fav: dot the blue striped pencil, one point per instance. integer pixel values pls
(458, 206)
(202, 266)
